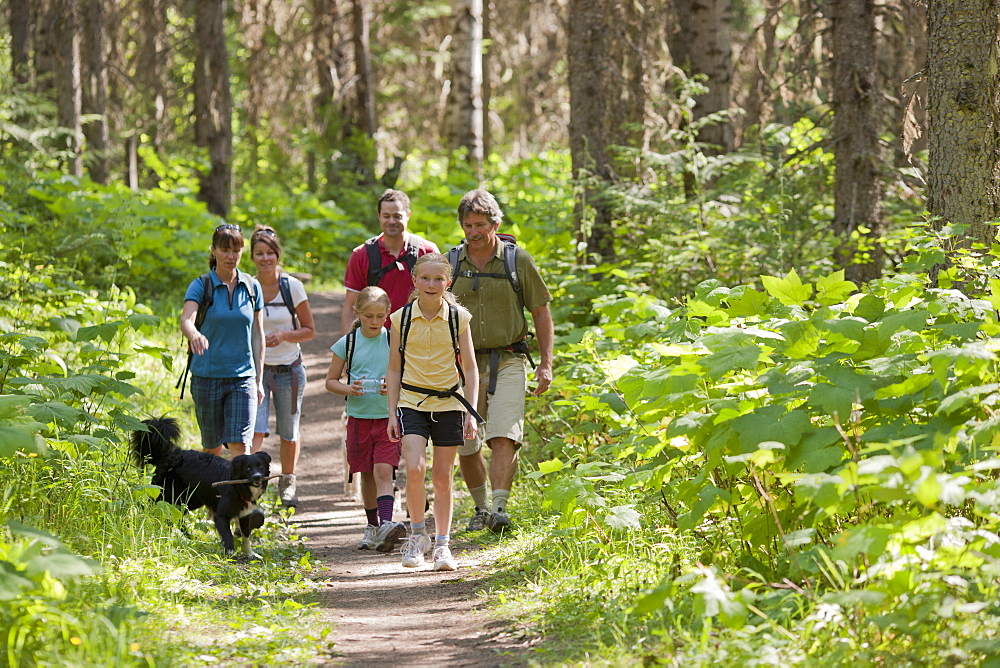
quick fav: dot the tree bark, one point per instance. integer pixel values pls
(365, 88)
(465, 98)
(46, 46)
(589, 53)
(213, 104)
(857, 150)
(150, 69)
(69, 93)
(329, 60)
(20, 40)
(701, 44)
(95, 91)
(963, 137)
(488, 8)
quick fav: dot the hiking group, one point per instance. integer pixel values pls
(433, 349)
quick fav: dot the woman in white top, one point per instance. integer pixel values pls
(288, 321)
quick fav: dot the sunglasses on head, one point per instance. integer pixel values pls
(228, 226)
(270, 233)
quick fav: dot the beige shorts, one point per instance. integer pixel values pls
(503, 411)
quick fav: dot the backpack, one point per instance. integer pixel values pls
(352, 338)
(207, 299)
(509, 267)
(376, 272)
(285, 290)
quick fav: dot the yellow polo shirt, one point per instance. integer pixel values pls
(429, 358)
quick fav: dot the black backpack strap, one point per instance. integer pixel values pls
(404, 329)
(376, 271)
(285, 288)
(510, 267)
(352, 337)
(453, 328)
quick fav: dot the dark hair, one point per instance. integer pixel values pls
(480, 201)
(391, 195)
(266, 235)
(225, 236)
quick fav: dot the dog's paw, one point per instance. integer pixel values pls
(256, 518)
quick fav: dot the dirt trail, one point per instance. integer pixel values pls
(381, 612)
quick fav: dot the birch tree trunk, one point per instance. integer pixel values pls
(858, 153)
(963, 138)
(465, 98)
(213, 104)
(95, 91)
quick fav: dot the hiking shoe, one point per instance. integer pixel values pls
(478, 521)
(286, 490)
(414, 550)
(388, 535)
(443, 561)
(367, 542)
(498, 523)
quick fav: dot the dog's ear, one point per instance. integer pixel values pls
(266, 457)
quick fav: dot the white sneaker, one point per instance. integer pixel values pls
(414, 550)
(388, 535)
(367, 542)
(443, 561)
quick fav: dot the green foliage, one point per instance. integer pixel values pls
(825, 456)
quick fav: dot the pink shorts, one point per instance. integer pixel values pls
(368, 444)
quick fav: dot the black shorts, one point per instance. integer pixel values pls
(443, 428)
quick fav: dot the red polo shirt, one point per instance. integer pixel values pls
(398, 283)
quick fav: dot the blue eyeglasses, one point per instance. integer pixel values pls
(228, 226)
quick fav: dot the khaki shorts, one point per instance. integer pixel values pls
(504, 411)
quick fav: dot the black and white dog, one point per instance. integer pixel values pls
(186, 477)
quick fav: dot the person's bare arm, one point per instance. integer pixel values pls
(393, 378)
(471, 370)
(197, 340)
(545, 332)
(306, 331)
(257, 350)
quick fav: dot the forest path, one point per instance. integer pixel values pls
(381, 613)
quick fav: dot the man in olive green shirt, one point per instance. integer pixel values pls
(499, 328)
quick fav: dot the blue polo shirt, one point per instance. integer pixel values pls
(227, 327)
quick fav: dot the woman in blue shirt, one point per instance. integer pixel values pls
(228, 362)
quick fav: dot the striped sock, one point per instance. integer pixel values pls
(372, 514)
(385, 508)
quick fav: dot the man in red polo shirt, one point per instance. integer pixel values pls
(394, 252)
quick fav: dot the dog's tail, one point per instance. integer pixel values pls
(154, 446)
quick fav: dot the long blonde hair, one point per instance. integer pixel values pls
(433, 258)
(368, 297)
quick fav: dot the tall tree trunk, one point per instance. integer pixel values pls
(20, 40)
(150, 70)
(701, 44)
(327, 112)
(213, 103)
(963, 136)
(46, 46)
(858, 153)
(757, 103)
(69, 92)
(95, 91)
(589, 53)
(465, 98)
(366, 124)
(488, 8)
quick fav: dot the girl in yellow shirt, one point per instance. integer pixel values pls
(427, 400)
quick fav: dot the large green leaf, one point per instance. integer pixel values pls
(789, 290)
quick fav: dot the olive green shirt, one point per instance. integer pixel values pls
(497, 317)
